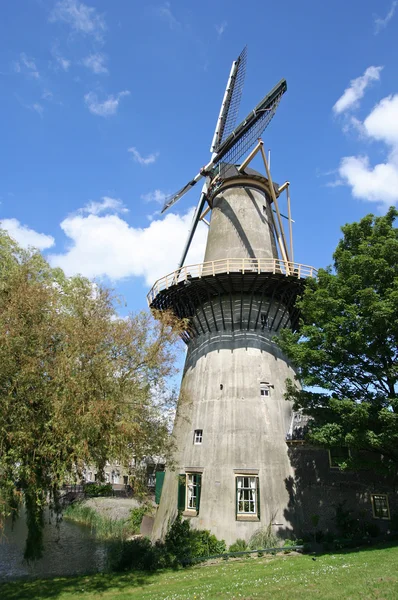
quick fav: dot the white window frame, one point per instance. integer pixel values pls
(191, 493)
(384, 497)
(246, 492)
(197, 437)
(265, 389)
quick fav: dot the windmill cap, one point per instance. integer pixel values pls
(231, 176)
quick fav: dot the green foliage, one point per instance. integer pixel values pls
(264, 537)
(103, 527)
(347, 348)
(182, 546)
(92, 490)
(136, 516)
(78, 386)
(238, 546)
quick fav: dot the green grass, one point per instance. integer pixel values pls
(104, 528)
(368, 574)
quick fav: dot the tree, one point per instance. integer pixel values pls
(347, 347)
(78, 385)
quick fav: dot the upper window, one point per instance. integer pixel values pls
(380, 507)
(265, 389)
(247, 496)
(189, 492)
(198, 436)
(338, 455)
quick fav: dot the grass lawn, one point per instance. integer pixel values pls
(367, 574)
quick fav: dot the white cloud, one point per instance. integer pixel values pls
(81, 17)
(107, 246)
(96, 62)
(155, 196)
(380, 23)
(149, 160)
(377, 183)
(106, 204)
(26, 65)
(61, 62)
(25, 236)
(355, 92)
(106, 108)
(221, 28)
(37, 108)
(164, 12)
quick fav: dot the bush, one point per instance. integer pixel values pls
(264, 538)
(136, 516)
(98, 489)
(182, 546)
(238, 546)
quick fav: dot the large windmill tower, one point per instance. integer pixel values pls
(231, 462)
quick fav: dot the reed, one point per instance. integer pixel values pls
(103, 527)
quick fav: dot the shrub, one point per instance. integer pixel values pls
(238, 546)
(136, 516)
(264, 538)
(98, 489)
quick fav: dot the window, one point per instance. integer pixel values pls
(264, 389)
(247, 496)
(189, 493)
(380, 507)
(338, 455)
(198, 436)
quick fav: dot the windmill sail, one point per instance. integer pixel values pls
(240, 140)
(231, 101)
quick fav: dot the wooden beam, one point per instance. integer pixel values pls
(252, 154)
(290, 223)
(285, 253)
(204, 213)
(283, 187)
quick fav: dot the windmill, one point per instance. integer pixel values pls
(231, 461)
(229, 144)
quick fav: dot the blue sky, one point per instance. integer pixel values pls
(109, 106)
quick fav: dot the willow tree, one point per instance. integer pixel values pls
(78, 385)
(347, 350)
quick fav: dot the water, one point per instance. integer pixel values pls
(69, 549)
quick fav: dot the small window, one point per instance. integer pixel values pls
(265, 389)
(247, 496)
(380, 507)
(338, 455)
(198, 436)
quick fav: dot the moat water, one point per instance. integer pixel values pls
(69, 549)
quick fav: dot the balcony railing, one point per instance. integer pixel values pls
(231, 265)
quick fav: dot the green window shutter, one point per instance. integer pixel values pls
(199, 488)
(258, 497)
(236, 497)
(181, 492)
(159, 475)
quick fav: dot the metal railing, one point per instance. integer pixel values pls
(231, 265)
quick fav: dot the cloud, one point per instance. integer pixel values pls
(37, 108)
(221, 28)
(106, 204)
(107, 246)
(95, 62)
(355, 92)
(164, 12)
(380, 23)
(155, 196)
(106, 108)
(377, 183)
(149, 160)
(25, 236)
(26, 65)
(81, 18)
